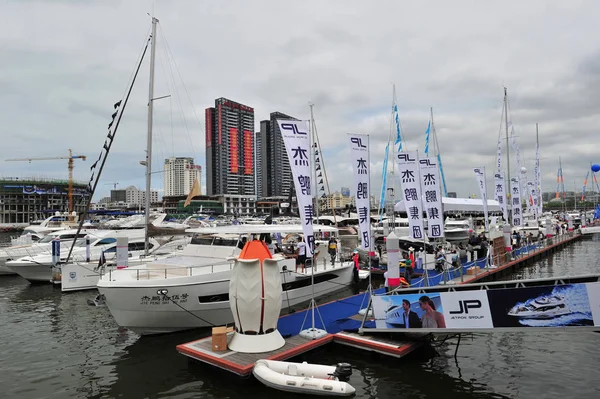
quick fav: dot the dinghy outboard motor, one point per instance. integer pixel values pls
(343, 371)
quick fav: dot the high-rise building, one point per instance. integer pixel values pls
(180, 173)
(132, 196)
(275, 178)
(229, 148)
(258, 170)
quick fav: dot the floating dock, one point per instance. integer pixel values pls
(242, 363)
(338, 317)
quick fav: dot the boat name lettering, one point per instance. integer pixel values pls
(164, 299)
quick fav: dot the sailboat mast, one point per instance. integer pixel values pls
(149, 138)
(507, 148)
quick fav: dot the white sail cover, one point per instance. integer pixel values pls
(359, 149)
(297, 145)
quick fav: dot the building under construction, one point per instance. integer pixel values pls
(23, 200)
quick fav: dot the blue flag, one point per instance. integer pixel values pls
(427, 139)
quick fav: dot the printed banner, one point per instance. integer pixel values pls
(359, 148)
(432, 197)
(297, 145)
(567, 305)
(501, 194)
(480, 177)
(515, 198)
(408, 166)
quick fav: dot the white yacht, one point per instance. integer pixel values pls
(457, 230)
(38, 268)
(541, 308)
(191, 290)
(42, 245)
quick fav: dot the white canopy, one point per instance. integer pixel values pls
(459, 205)
(259, 229)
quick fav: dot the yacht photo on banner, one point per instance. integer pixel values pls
(544, 306)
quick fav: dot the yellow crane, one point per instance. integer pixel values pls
(70, 165)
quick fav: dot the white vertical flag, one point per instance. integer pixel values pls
(297, 145)
(538, 180)
(517, 212)
(480, 177)
(359, 148)
(532, 197)
(408, 165)
(499, 154)
(432, 197)
(528, 197)
(501, 194)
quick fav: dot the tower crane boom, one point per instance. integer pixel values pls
(70, 166)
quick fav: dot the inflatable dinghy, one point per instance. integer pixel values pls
(312, 379)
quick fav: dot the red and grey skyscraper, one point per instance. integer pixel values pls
(229, 148)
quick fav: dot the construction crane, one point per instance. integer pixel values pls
(71, 157)
(114, 184)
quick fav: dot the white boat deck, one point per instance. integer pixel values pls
(188, 266)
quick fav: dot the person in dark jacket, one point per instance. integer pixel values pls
(411, 320)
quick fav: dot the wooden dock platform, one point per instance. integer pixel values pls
(242, 363)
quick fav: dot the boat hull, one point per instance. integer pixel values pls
(192, 302)
(34, 273)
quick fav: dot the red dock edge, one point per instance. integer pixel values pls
(364, 343)
(246, 369)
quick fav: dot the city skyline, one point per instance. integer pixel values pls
(70, 82)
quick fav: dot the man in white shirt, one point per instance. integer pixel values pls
(301, 254)
(386, 283)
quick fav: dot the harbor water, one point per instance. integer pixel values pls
(55, 345)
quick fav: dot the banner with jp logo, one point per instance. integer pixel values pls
(359, 148)
(432, 197)
(297, 145)
(558, 306)
(517, 211)
(480, 177)
(500, 194)
(408, 167)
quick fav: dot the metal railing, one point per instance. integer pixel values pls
(452, 274)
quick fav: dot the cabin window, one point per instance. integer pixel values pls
(106, 241)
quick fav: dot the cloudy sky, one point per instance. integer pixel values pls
(64, 64)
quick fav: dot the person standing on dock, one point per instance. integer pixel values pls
(332, 249)
(301, 254)
(411, 319)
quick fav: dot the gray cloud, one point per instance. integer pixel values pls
(66, 62)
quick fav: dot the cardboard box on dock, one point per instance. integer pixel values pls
(219, 339)
(471, 271)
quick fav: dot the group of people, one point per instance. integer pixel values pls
(431, 318)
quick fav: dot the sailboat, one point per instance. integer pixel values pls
(191, 290)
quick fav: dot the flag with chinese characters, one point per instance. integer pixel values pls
(408, 169)
(500, 194)
(515, 197)
(480, 177)
(359, 149)
(432, 197)
(297, 145)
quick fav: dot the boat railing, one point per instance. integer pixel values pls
(151, 273)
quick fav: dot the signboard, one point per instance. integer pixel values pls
(297, 145)
(566, 305)
(500, 194)
(359, 149)
(408, 166)
(432, 197)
